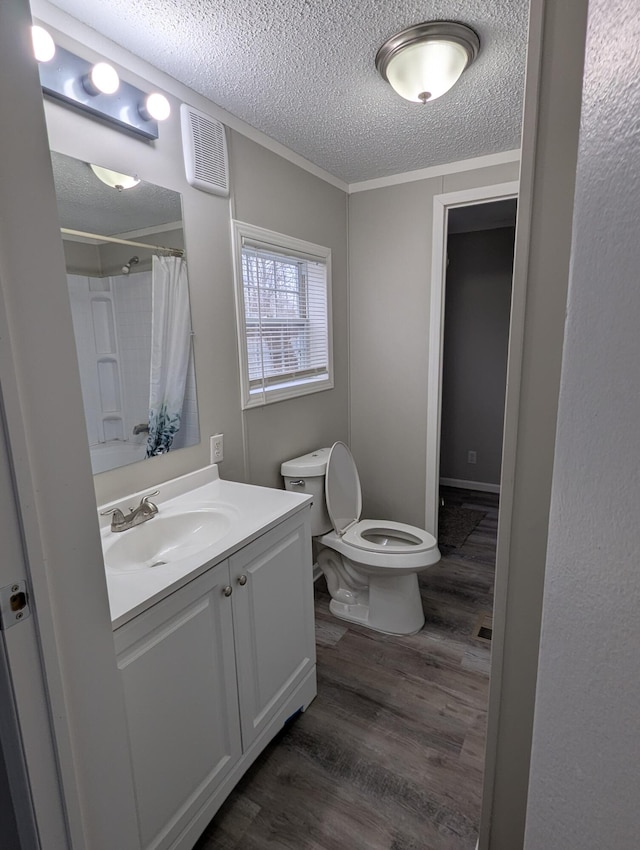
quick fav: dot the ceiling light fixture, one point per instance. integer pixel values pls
(114, 179)
(426, 60)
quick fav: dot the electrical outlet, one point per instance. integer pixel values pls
(217, 448)
(472, 457)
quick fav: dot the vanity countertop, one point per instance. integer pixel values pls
(251, 509)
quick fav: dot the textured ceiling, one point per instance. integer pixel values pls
(84, 203)
(303, 72)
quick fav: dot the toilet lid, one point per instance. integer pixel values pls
(342, 488)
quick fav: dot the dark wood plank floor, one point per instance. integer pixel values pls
(389, 756)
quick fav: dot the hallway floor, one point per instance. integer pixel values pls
(389, 756)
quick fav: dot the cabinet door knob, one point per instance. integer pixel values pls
(227, 590)
(242, 581)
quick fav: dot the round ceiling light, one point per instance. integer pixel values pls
(114, 178)
(424, 61)
(44, 48)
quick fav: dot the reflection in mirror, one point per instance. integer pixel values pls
(127, 277)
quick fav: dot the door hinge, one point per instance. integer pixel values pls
(14, 604)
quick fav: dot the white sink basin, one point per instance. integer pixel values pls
(165, 539)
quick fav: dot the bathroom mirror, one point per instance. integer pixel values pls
(126, 266)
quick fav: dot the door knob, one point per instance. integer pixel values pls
(242, 581)
(227, 590)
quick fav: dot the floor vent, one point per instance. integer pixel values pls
(483, 629)
(204, 146)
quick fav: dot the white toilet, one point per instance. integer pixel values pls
(371, 566)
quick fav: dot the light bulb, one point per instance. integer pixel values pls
(424, 71)
(44, 48)
(156, 106)
(104, 78)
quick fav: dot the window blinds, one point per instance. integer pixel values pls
(284, 295)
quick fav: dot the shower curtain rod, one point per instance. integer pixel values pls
(173, 252)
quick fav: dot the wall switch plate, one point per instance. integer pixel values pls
(472, 457)
(217, 448)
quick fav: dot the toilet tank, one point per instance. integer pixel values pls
(305, 474)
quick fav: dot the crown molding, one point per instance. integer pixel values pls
(437, 170)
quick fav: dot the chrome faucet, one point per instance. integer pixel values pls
(136, 516)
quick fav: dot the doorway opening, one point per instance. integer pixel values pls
(477, 305)
(473, 253)
(468, 212)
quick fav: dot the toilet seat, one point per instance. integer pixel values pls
(391, 537)
(343, 493)
(377, 540)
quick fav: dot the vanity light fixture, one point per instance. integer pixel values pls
(424, 61)
(44, 48)
(114, 179)
(96, 89)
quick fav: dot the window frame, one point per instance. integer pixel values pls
(274, 390)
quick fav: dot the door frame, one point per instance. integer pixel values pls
(441, 206)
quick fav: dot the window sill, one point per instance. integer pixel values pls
(287, 390)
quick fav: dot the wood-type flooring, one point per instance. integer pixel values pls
(389, 756)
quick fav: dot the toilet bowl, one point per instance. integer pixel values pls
(371, 566)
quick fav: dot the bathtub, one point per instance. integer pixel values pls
(105, 456)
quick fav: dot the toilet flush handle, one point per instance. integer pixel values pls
(299, 482)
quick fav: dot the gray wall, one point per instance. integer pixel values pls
(476, 339)
(584, 762)
(266, 190)
(390, 268)
(270, 192)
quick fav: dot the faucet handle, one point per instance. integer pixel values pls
(146, 506)
(117, 519)
(145, 499)
(115, 512)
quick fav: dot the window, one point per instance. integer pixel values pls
(283, 302)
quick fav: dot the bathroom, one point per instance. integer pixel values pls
(386, 228)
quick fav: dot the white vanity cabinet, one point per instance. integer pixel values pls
(209, 676)
(178, 672)
(274, 615)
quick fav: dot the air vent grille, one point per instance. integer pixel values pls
(205, 151)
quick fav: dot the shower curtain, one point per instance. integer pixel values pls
(170, 348)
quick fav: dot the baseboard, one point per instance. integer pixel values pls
(470, 485)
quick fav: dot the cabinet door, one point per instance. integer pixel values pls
(177, 665)
(274, 620)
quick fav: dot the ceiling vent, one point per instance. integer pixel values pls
(205, 151)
